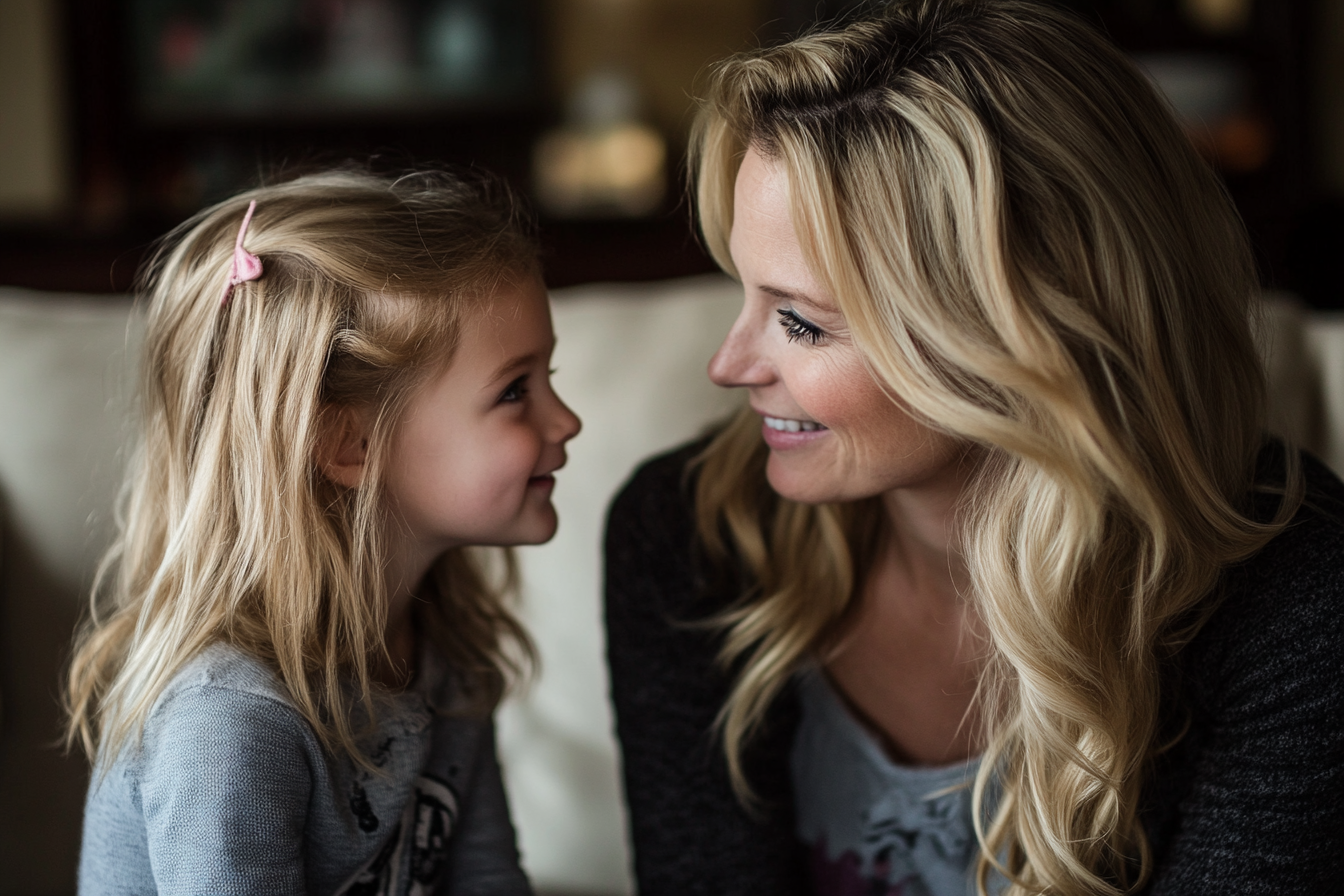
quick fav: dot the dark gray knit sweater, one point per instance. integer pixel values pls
(1250, 801)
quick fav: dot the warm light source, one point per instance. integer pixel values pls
(616, 170)
(1218, 16)
(603, 162)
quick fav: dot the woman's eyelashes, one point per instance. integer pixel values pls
(798, 329)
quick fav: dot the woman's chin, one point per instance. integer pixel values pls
(793, 483)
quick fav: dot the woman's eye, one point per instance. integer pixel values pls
(515, 390)
(796, 329)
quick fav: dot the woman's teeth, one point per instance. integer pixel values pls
(792, 425)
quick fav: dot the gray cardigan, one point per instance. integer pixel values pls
(1249, 801)
(230, 792)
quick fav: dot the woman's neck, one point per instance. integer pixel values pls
(921, 535)
(909, 656)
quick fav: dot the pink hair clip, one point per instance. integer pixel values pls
(246, 266)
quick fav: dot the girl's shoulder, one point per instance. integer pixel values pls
(225, 667)
(223, 699)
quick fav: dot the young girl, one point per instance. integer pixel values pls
(288, 677)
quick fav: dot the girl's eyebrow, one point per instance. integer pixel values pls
(518, 362)
(512, 364)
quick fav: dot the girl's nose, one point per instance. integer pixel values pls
(739, 360)
(565, 424)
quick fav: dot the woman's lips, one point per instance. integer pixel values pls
(783, 433)
(542, 482)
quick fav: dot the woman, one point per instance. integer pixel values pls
(997, 583)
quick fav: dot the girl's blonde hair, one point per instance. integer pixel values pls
(227, 530)
(1030, 254)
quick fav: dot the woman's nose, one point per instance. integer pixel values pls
(739, 360)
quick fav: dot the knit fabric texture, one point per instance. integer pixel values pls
(230, 792)
(1249, 801)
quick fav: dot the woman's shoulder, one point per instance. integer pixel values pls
(653, 568)
(1280, 624)
(653, 514)
(662, 483)
(1302, 567)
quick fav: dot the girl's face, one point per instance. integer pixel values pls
(834, 435)
(473, 461)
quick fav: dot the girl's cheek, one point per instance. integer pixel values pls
(516, 450)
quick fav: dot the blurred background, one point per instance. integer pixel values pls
(119, 118)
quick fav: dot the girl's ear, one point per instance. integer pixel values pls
(343, 446)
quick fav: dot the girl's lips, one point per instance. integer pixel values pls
(783, 440)
(545, 482)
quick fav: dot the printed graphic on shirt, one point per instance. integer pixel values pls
(843, 876)
(435, 811)
(412, 861)
(359, 800)
(359, 804)
(908, 846)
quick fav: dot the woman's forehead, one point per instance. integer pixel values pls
(764, 242)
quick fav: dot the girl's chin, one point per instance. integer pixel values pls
(541, 526)
(536, 523)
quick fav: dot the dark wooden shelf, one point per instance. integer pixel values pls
(66, 260)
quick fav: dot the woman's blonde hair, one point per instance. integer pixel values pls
(1030, 254)
(228, 531)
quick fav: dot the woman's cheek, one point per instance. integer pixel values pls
(839, 393)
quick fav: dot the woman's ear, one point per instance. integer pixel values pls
(343, 445)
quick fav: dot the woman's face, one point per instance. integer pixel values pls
(834, 435)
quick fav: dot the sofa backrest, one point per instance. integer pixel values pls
(631, 362)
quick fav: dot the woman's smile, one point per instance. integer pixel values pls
(834, 432)
(782, 434)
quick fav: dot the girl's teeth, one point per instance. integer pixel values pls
(792, 425)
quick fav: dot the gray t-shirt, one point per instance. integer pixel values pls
(230, 792)
(873, 826)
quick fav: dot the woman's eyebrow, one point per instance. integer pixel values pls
(783, 293)
(794, 296)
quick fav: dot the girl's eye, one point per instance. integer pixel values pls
(514, 391)
(796, 329)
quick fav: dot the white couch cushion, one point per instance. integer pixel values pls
(630, 360)
(66, 365)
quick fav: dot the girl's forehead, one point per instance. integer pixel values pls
(514, 319)
(514, 297)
